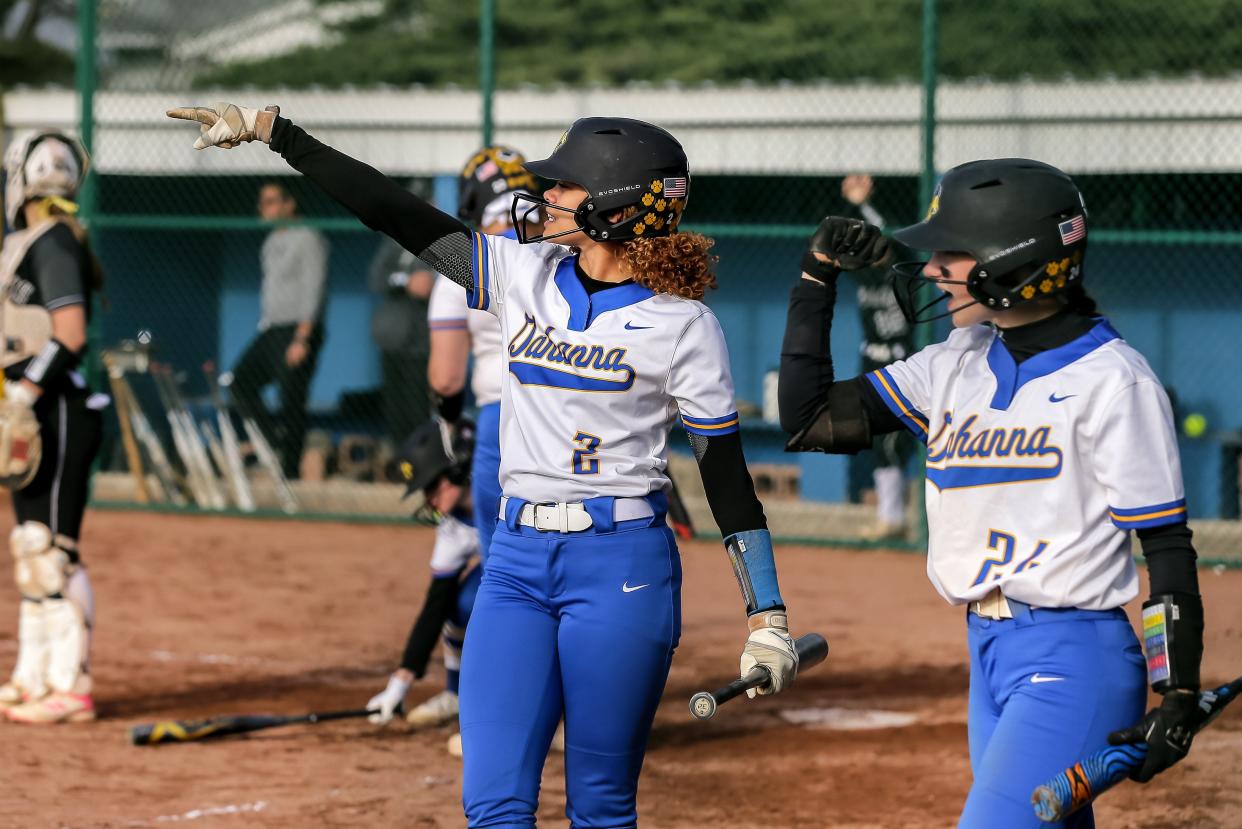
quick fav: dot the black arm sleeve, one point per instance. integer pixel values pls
(1170, 557)
(441, 596)
(383, 205)
(727, 483)
(806, 359)
(807, 382)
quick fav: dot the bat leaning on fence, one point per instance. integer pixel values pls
(230, 445)
(188, 441)
(1083, 782)
(133, 455)
(185, 731)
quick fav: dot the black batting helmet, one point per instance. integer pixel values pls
(1023, 221)
(621, 163)
(489, 174)
(435, 450)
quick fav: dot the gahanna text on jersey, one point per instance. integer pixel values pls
(958, 458)
(537, 358)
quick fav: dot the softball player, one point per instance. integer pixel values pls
(436, 460)
(1049, 439)
(49, 425)
(606, 343)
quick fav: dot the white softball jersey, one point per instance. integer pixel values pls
(593, 383)
(447, 310)
(456, 543)
(1037, 473)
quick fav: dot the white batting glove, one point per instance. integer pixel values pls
(386, 702)
(227, 125)
(770, 646)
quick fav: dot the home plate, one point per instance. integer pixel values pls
(848, 719)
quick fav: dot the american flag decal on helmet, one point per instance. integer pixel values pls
(674, 188)
(1073, 230)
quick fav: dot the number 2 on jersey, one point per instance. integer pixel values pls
(1005, 544)
(584, 460)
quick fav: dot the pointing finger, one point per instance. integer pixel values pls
(201, 114)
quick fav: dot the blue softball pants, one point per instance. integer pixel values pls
(581, 625)
(1046, 688)
(485, 475)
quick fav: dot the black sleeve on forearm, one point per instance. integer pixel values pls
(807, 376)
(806, 359)
(441, 597)
(727, 483)
(383, 205)
(1170, 557)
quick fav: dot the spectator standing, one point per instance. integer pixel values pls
(887, 337)
(294, 259)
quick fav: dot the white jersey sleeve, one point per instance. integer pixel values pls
(446, 308)
(1136, 458)
(497, 259)
(700, 381)
(906, 386)
(456, 543)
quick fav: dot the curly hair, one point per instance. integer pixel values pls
(678, 264)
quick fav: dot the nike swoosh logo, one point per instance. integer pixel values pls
(1052, 398)
(629, 326)
(625, 587)
(1038, 678)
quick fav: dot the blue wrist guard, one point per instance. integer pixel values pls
(753, 564)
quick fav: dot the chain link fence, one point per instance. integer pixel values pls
(788, 110)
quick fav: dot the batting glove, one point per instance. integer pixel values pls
(1167, 730)
(387, 701)
(847, 244)
(770, 647)
(227, 125)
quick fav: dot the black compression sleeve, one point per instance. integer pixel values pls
(806, 359)
(727, 483)
(1170, 557)
(441, 596)
(806, 363)
(378, 201)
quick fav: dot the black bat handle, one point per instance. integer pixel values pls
(812, 649)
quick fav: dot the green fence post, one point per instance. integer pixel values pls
(487, 63)
(85, 79)
(927, 180)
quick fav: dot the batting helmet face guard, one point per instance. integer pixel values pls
(488, 176)
(436, 450)
(621, 163)
(1023, 222)
(42, 164)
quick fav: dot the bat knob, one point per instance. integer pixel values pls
(702, 705)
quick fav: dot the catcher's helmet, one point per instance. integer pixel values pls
(491, 174)
(435, 450)
(1023, 221)
(621, 163)
(48, 163)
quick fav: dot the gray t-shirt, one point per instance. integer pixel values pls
(295, 270)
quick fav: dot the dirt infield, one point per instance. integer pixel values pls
(203, 616)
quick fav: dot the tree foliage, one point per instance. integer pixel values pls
(548, 42)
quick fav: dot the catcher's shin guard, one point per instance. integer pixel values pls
(57, 613)
(28, 681)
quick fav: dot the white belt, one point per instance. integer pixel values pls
(992, 606)
(573, 517)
